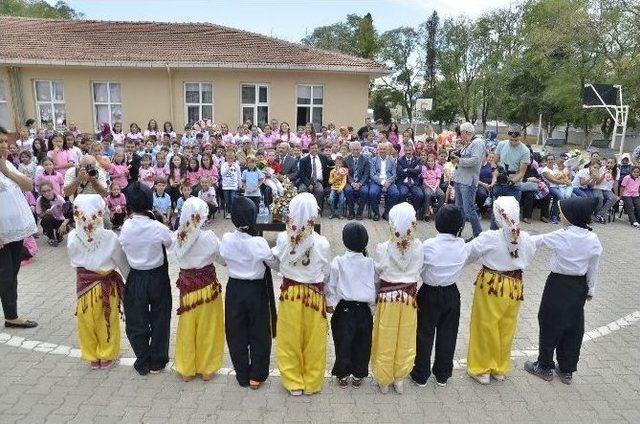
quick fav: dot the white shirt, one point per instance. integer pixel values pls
(318, 166)
(583, 173)
(575, 251)
(202, 252)
(352, 278)
(607, 182)
(490, 249)
(142, 239)
(107, 257)
(391, 273)
(16, 218)
(71, 174)
(383, 170)
(444, 258)
(319, 260)
(244, 255)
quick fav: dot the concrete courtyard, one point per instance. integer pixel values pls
(43, 380)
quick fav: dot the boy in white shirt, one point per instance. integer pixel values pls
(574, 272)
(249, 303)
(96, 254)
(351, 296)
(439, 299)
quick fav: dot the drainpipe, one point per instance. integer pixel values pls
(171, 117)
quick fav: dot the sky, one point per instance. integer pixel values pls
(286, 19)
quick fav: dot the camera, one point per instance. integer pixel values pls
(503, 175)
(91, 171)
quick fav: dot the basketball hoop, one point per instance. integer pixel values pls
(609, 97)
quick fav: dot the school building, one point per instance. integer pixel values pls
(89, 72)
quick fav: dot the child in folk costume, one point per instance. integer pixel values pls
(504, 253)
(96, 254)
(439, 298)
(200, 335)
(249, 303)
(351, 295)
(304, 257)
(574, 271)
(398, 262)
(147, 296)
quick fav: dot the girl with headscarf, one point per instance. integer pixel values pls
(97, 256)
(504, 253)
(398, 263)
(249, 311)
(574, 272)
(147, 294)
(200, 335)
(351, 295)
(304, 257)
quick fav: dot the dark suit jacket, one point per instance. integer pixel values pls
(304, 175)
(358, 174)
(135, 166)
(289, 167)
(409, 168)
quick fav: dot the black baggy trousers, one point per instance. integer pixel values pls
(352, 326)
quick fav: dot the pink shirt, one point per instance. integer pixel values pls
(193, 177)
(431, 177)
(305, 140)
(62, 159)
(147, 176)
(268, 140)
(631, 186)
(116, 204)
(119, 174)
(162, 172)
(56, 180)
(56, 207)
(212, 173)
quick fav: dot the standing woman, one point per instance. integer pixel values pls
(147, 296)
(200, 336)
(302, 328)
(504, 253)
(16, 224)
(398, 263)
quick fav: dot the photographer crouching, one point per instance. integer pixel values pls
(512, 158)
(87, 178)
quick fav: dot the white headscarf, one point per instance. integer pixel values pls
(402, 220)
(194, 213)
(88, 210)
(303, 213)
(506, 211)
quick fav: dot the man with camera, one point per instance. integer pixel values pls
(465, 178)
(86, 178)
(512, 158)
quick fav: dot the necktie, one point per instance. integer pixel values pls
(313, 169)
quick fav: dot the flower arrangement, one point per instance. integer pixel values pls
(280, 205)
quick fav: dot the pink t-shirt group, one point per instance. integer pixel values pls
(631, 186)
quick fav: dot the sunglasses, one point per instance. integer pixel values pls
(514, 133)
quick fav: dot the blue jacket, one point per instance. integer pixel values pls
(409, 171)
(390, 171)
(359, 173)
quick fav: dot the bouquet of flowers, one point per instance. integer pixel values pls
(575, 159)
(280, 206)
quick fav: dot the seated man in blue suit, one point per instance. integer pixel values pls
(408, 178)
(358, 180)
(383, 177)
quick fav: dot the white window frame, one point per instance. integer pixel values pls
(4, 102)
(108, 103)
(199, 104)
(258, 103)
(310, 105)
(52, 102)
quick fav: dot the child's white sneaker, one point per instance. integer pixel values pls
(636, 224)
(398, 386)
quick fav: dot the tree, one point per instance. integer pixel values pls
(398, 48)
(430, 30)
(38, 9)
(355, 36)
(378, 103)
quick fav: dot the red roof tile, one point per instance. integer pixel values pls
(157, 44)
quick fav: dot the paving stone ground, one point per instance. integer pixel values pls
(44, 387)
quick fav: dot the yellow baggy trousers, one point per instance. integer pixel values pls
(96, 342)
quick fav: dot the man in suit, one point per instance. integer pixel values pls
(357, 181)
(132, 159)
(382, 180)
(409, 172)
(313, 175)
(288, 164)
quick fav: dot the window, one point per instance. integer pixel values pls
(50, 103)
(4, 107)
(107, 103)
(255, 103)
(310, 105)
(198, 101)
